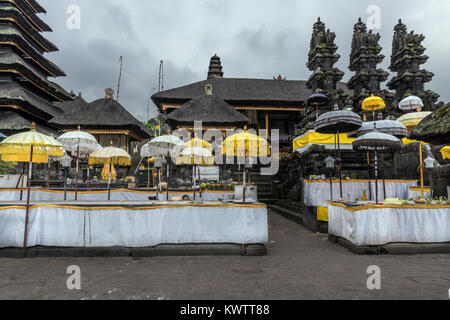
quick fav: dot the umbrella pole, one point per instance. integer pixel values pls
(21, 181)
(48, 175)
(340, 163)
(376, 176)
(193, 178)
(167, 191)
(76, 173)
(369, 171)
(199, 180)
(28, 202)
(158, 183)
(109, 180)
(243, 186)
(65, 184)
(421, 168)
(148, 175)
(384, 177)
(87, 180)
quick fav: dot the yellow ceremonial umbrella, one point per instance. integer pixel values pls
(245, 144)
(32, 147)
(373, 103)
(196, 142)
(410, 121)
(110, 156)
(445, 152)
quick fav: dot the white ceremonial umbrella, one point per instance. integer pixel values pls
(167, 145)
(81, 144)
(410, 103)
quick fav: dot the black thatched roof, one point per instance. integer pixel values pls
(27, 9)
(12, 93)
(104, 114)
(435, 128)
(78, 103)
(9, 35)
(210, 109)
(12, 123)
(243, 92)
(10, 12)
(9, 60)
(36, 6)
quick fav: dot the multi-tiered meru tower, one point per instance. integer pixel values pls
(26, 94)
(407, 57)
(364, 58)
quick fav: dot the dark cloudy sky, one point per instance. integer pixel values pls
(254, 38)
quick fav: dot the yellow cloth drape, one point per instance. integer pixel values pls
(105, 172)
(445, 152)
(320, 138)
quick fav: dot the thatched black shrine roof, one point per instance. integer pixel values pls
(104, 114)
(210, 109)
(435, 128)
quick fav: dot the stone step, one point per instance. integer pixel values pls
(288, 214)
(293, 206)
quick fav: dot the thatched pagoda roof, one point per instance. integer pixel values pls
(12, 93)
(210, 109)
(11, 35)
(27, 8)
(12, 13)
(435, 128)
(12, 123)
(102, 114)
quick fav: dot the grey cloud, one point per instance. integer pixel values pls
(258, 39)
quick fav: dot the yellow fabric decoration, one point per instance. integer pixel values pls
(445, 152)
(319, 138)
(322, 214)
(105, 172)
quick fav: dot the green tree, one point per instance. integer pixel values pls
(5, 167)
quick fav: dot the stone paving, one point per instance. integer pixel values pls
(300, 265)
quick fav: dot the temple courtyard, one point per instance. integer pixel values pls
(300, 265)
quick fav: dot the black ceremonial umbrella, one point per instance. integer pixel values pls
(318, 100)
(377, 141)
(337, 122)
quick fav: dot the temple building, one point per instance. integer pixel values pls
(266, 103)
(26, 93)
(106, 119)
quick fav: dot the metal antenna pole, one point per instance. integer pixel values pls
(120, 77)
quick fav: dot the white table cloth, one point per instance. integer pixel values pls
(122, 194)
(316, 193)
(70, 226)
(379, 225)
